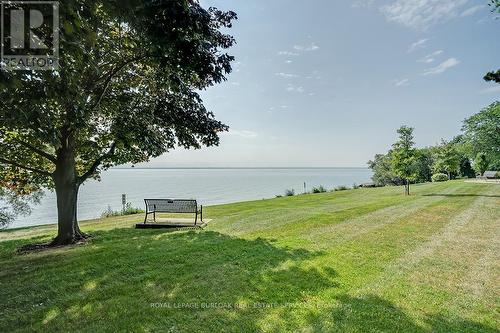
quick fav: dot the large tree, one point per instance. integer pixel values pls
(126, 90)
(404, 156)
(482, 134)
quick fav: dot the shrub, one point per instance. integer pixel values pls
(129, 210)
(319, 189)
(342, 188)
(497, 175)
(290, 193)
(355, 186)
(439, 177)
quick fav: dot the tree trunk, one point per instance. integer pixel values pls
(66, 185)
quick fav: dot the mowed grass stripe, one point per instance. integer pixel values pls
(466, 207)
(321, 209)
(335, 233)
(364, 257)
(460, 270)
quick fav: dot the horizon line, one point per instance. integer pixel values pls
(246, 167)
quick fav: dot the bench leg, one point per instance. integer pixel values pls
(196, 218)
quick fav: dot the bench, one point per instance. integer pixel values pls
(154, 206)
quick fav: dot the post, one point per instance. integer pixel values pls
(124, 202)
(305, 191)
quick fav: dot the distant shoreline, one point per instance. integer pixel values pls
(234, 168)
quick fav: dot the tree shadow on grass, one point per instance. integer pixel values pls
(129, 280)
(371, 313)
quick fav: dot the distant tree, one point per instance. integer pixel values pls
(482, 134)
(382, 171)
(481, 163)
(466, 169)
(447, 159)
(126, 90)
(423, 165)
(403, 156)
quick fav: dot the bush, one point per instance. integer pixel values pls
(355, 186)
(497, 175)
(129, 210)
(290, 193)
(439, 177)
(319, 189)
(342, 188)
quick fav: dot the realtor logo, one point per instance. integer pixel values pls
(29, 35)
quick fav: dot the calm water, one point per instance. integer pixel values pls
(208, 186)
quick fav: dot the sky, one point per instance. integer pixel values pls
(326, 83)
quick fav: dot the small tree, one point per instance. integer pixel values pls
(404, 155)
(447, 159)
(126, 90)
(481, 163)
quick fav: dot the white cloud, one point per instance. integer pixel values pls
(288, 53)
(472, 10)
(431, 57)
(292, 88)
(246, 134)
(287, 75)
(491, 90)
(441, 68)
(307, 48)
(402, 83)
(418, 44)
(422, 14)
(288, 62)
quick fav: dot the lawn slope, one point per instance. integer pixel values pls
(366, 260)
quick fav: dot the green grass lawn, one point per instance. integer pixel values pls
(367, 260)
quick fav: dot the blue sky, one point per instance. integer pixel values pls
(327, 83)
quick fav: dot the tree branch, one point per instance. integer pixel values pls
(35, 149)
(97, 163)
(38, 151)
(111, 76)
(17, 165)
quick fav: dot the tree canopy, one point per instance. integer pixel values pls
(127, 89)
(447, 159)
(482, 134)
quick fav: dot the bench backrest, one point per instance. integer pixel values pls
(171, 206)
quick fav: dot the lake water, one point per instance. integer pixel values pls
(208, 186)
